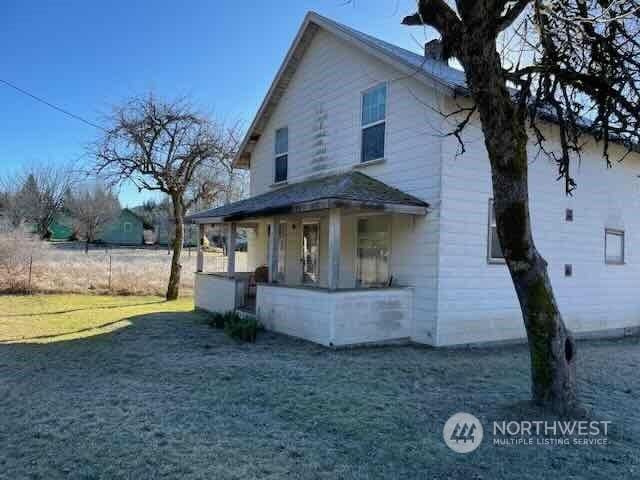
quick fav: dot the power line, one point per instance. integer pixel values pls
(51, 105)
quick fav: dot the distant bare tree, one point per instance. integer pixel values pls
(92, 207)
(35, 195)
(168, 146)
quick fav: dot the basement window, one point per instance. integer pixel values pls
(614, 246)
(494, 250)
(282, 154)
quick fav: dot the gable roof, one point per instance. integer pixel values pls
(434, 73)
(351, 187)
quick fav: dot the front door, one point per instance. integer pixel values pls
(310, 253)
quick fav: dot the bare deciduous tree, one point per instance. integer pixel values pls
(92, 207)
(573, 63)
(35, 195)
(171, 148)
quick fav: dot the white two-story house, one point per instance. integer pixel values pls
(364, 225)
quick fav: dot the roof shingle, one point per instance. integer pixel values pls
(351, 186)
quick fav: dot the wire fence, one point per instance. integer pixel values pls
(124, 271)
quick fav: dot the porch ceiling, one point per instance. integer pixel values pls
(349, 190)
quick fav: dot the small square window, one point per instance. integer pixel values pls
(614, 246)
(569, 215)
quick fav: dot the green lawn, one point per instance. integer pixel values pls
(50, 318)
(120, 388)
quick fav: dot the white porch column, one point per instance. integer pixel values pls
(333, 279)
(272, 254)
(231, 248)
(200, 257)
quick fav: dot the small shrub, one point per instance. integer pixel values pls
(217, 319)
(244, 329)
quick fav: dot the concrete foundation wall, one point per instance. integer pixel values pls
(372, 316)
(337, 318)
(214, 293)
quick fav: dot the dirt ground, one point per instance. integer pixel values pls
(166, 396)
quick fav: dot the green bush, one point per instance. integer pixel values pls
(219, 320)
(244, 329)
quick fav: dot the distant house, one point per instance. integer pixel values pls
(127, 229)
(61, 228)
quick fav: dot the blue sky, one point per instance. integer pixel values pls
(86, 56)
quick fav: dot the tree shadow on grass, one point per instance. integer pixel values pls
(135, 327)
(92, 307)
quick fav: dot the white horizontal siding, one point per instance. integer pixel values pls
(476, 300)
(330, 79)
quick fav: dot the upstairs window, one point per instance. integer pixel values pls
(282, 154)
(374, 114)
(614, 246)
(127, 227)
(494, 250)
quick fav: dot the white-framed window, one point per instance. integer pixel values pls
(374, 115)
(282, 154)
(494, 250)
(373, 251)
(127, 227)
(613, 246)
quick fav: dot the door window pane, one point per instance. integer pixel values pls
(282, 251)
(310, 253)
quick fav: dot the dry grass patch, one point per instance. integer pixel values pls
(65, 268)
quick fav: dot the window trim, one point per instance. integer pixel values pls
(490, 259)
(279, 155)
(620, 233)
(363, 127)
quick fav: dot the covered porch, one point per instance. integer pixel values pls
(319, 260)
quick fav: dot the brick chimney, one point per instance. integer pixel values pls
(433, 50)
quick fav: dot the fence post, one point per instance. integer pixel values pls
(110, 273)
(30, 268)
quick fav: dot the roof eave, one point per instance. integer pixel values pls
(243, 157)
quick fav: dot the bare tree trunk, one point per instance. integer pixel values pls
(552, 348)
(173, 288)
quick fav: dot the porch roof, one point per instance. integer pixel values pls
(349, 190)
